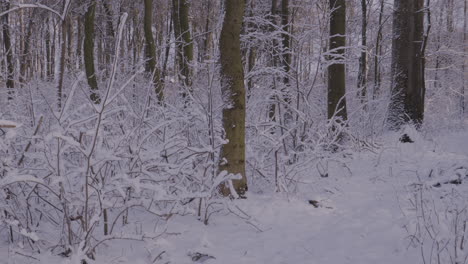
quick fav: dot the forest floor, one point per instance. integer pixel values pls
(365, 215)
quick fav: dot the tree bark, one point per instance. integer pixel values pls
(63, 59)
(286, 39)
(407, 88)
(25, 56)
(465, 49)
(10, 83)
(378, 52)
(88, 52)
(151, 51)
(233, 90)
(184, 47)
(336, 71)
(110, 34)
(362, 75)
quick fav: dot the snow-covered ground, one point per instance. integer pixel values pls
(365, 216)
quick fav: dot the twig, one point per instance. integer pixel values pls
(30, 142)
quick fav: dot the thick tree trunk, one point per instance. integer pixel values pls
(407, 89)
(336, 72)
(88, 52)
(232, 74)
(151, 51)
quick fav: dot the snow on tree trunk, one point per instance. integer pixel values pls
(232, 73)
(407, 88)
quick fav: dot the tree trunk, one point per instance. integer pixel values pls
(232, 74)
(362, 75)
(71, 52)
(63, 58)
(88, 52)
(25, 62)
(378, 52)
(79, 42)
(336, 72)
(184, 47)
(10, 83)
(110, 34)
(205, 50)
(465, 49)
(407, 88)
(151, 51)
(286, 39)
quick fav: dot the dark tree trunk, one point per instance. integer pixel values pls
(26, 59)
(63, 59)
(151, 51)
(10, 83)
(362, 75)
(183, 38)
(407, 89)
(465, 49)
(336, 72)
(378, 52)
(88, 52)
(286, 39)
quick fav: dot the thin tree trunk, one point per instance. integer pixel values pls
(25, 56)
(79, 42)
(63, 58)
(378, 53)
(252, 51)
(465, 49)
(184, 47)
(10, 83)
(151, 51)
(286, 39)
(48, 47)
(208, 34)
(232, 74)
(110, 34)
(88, 52)
(71, 52)
(362, 75)
(275, 59)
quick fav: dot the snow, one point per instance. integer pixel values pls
(363, 215)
